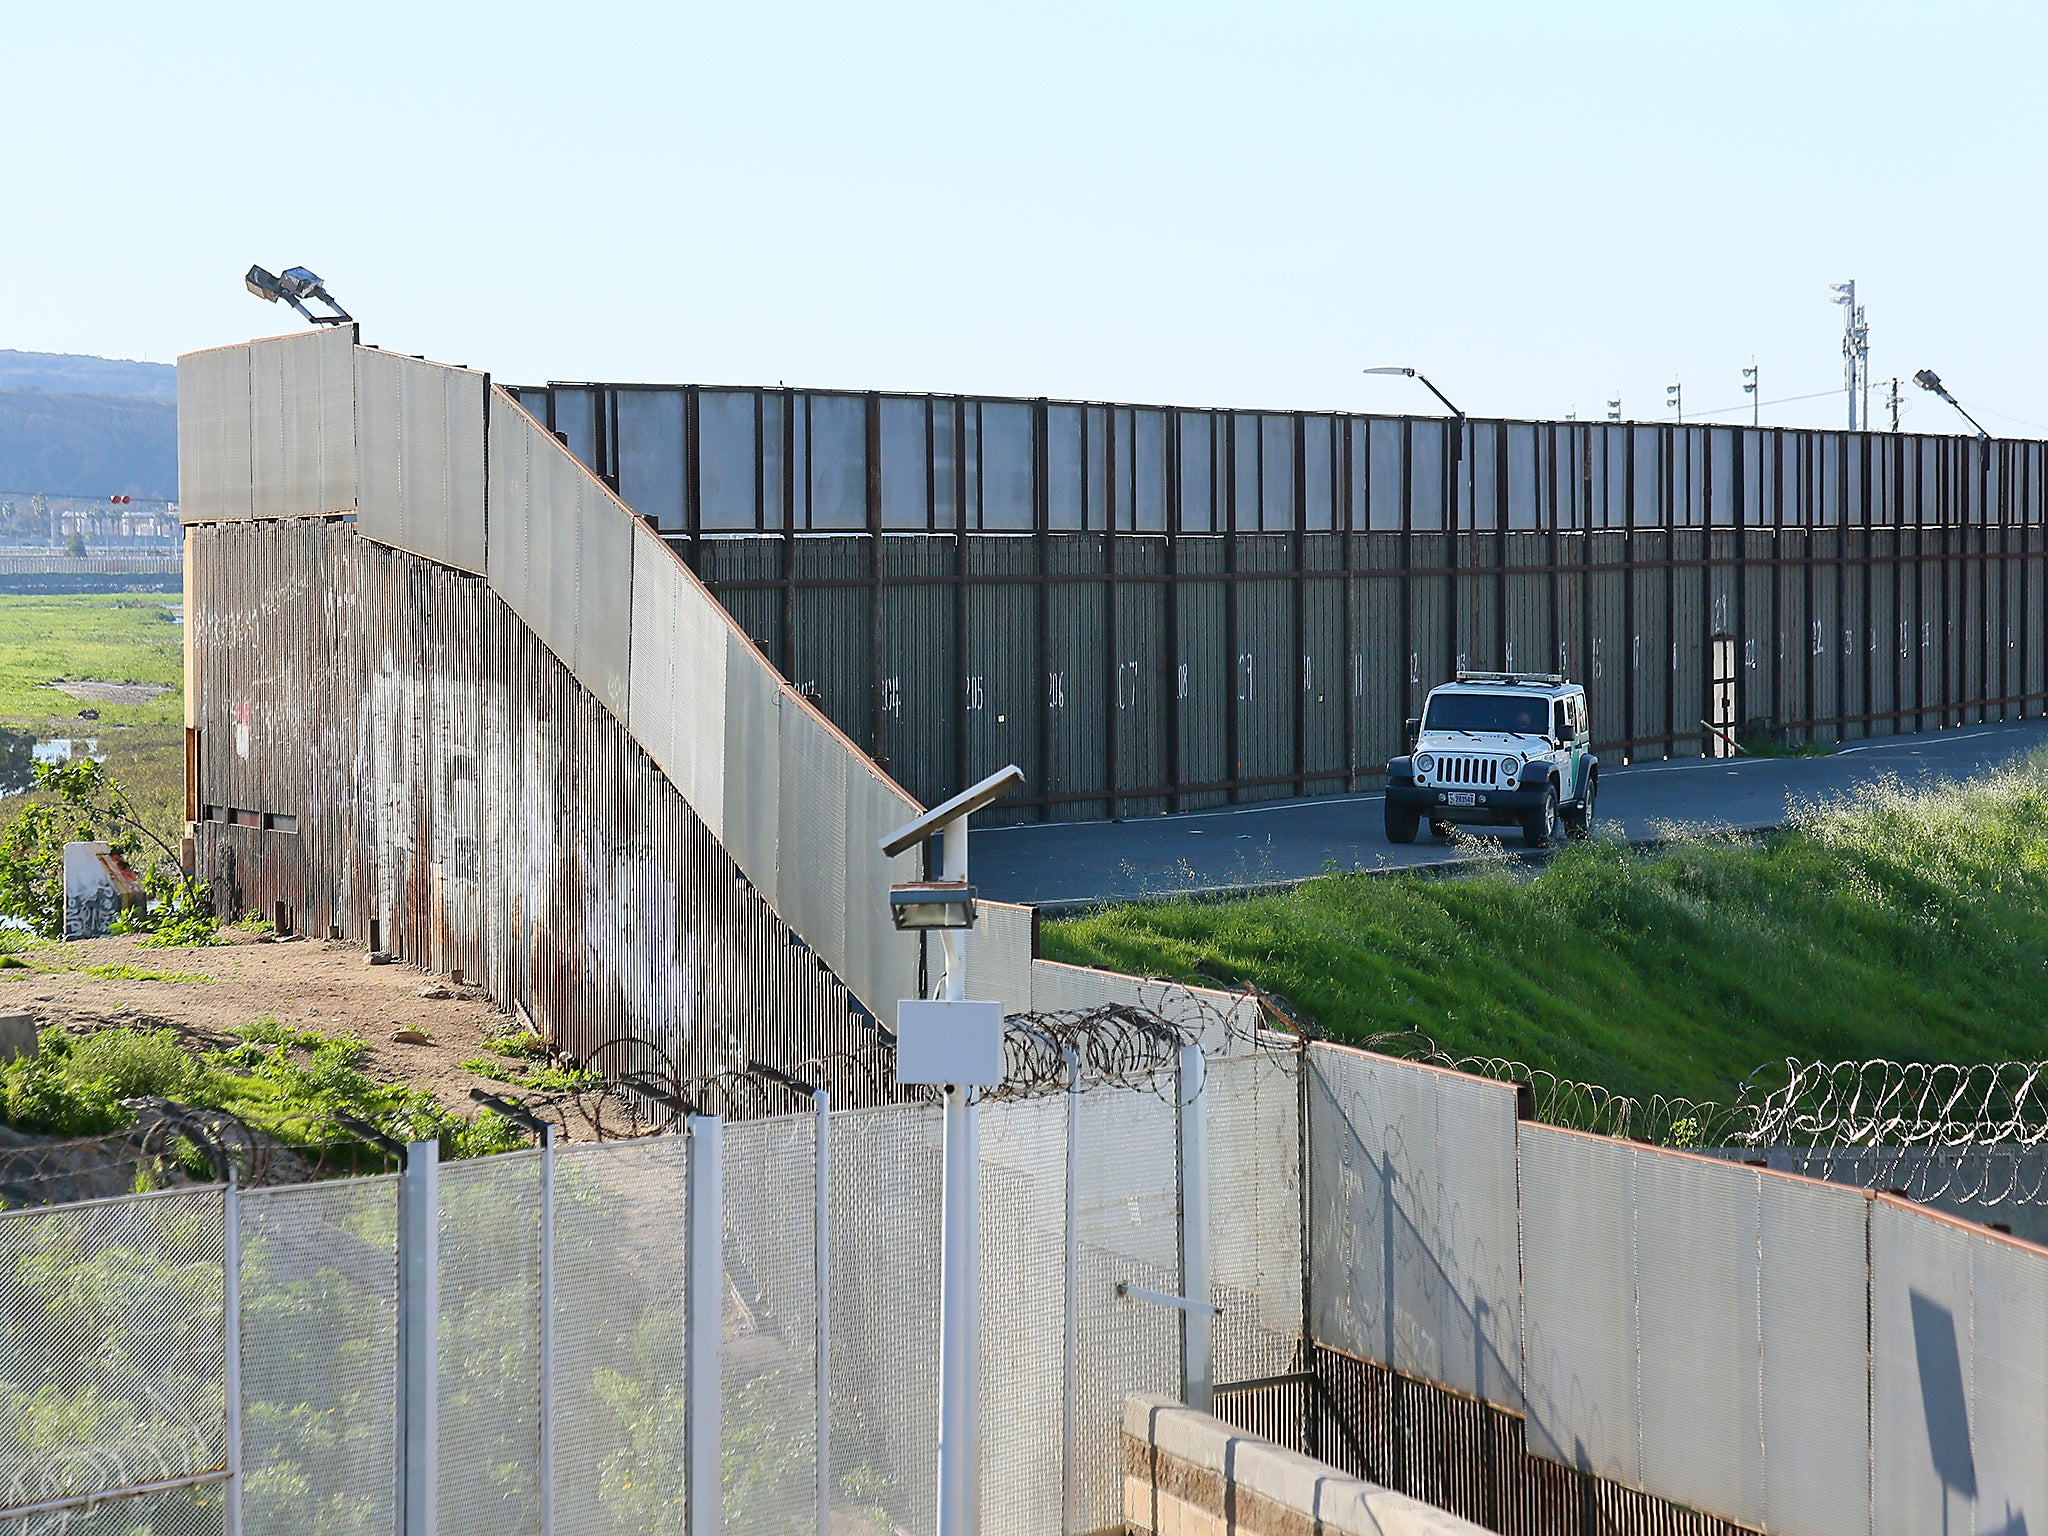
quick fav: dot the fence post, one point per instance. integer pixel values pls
(821, 1102)
(231, 1311)
(419, 1262)
(705, 1306)
(1070, 1363)
(547, 1330)
(1193, 1115)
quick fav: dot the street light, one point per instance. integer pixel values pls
(1674, 397)
(1457, 437)
(1614, 410)
(293, 285)
(957, 1045)
(1930, 381)
(1749, 383)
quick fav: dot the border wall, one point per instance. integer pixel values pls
(448, 696)
(1164, 608)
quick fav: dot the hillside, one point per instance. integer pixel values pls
(70, 373)
(88, 445)
(1909, 924)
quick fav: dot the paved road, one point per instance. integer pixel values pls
(1061, 863)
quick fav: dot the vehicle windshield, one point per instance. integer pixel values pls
(1518, 714)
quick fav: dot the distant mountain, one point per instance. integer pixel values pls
(67, 373)
(88, 444)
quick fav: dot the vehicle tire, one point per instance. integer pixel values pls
(1540, 826)
(1401, 824)
(1578, 820)
(1440, 830)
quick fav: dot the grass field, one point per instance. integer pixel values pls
(1897, 923)
(109, 638)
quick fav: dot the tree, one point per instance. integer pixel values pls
(80, 802)
(75, 546)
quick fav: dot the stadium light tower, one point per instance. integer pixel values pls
(294, 285)
(1930, 381)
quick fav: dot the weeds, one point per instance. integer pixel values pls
(125, 972)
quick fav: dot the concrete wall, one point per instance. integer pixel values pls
(1188, 1474)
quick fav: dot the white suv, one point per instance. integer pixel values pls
(1497, 749)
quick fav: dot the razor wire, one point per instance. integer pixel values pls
(1975, 1133)
(168, 1144)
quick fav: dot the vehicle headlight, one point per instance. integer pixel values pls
(1508, 765)
(1424, 763)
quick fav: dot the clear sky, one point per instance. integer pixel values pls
(1540, 206)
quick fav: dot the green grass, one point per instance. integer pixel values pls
(1910, 924)
(288, 1082)
(126, 972)
(110, 638)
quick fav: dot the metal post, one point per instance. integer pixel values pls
(1195, 1320)
(419, 1262)
(1070, 1364)
(547, 1330)
(231, 1312)
(704, 1260)
(821, 1103)
(960, 1247)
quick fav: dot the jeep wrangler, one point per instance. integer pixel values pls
(1496, 749)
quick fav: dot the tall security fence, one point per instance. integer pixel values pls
(729, 1327)
(1153, 608)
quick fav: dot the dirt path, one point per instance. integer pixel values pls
(306, 983)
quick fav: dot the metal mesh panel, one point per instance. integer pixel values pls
(1699, 1333)
(199, 1511)
(1253, 1105)
(813, 835)
(770, 1380)
(619, 1378)
(880, 963)
(678, 678)
(1816, 1358)
(420, 446)
(1578, 1301)
(1024, 1314)
(2009, 1383)
(1129, 1199)
(489, 1344)
(213, 435)
(603, 562)
(753, 759)
(1000, 961)
(113, 1344)
(1478, 1238)
(320, 1358)
(510, 554)
(885, 1316)
(1926, 1473)
(302, 424)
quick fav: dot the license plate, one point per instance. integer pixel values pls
(1461, 797)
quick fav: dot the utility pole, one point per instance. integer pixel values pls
(1892, 399)
(1674, 396)
(1749, 383)
(1855, 352)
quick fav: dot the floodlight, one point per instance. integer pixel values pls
(924, 905)
(1930, 381)
(296, 284)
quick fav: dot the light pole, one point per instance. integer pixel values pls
(1930, 381)
(957, 1045)
(1457, 437)
(1749, 383)
(1674, 398)
(1614, 410)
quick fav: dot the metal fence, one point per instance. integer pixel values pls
(1154, 608)
(602, 1337)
